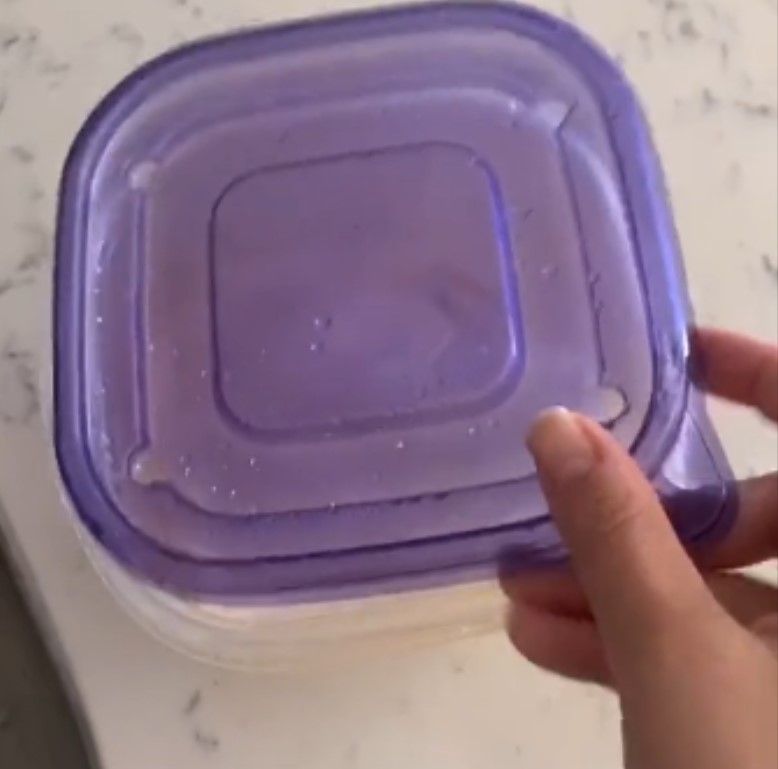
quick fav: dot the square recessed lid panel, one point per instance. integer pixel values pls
(314, 282)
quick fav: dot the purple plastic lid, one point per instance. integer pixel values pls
(314, 282)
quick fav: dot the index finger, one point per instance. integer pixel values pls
(739, 369)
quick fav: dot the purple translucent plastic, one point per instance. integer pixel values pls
(314, 282)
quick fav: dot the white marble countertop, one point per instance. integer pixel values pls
(708, 75)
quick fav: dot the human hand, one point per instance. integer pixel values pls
(692, 650)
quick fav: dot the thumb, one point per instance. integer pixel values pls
(640, 583)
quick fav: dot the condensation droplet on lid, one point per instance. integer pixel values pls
(400, 445)
(187, 471)
(233, 493)
(214, 489)
(316, 347)
(203, 373)
(471, 431)
(146, 469)
(99, 319)
(322, 323)
(253, 462)
(141, 174)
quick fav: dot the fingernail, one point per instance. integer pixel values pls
(560, 445)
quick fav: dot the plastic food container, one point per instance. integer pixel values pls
(314, 282)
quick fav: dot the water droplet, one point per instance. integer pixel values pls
(322, 323)
(203, 373)
(145, 469)
(151, 347)
(331, 506)
(471, 431)
(233, 493)
(316, 346)
(137, 471)
(492, 422)
(253, 461)
(549, 270)
(99, 319)
(187, 471)
(214, 489)
(400, 445)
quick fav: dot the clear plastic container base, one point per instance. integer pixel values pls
(270, 639)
